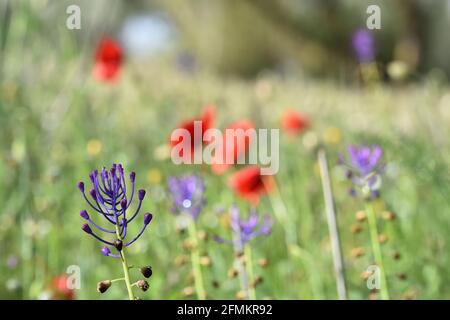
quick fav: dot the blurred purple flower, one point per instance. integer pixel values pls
(245, 230)
(187, 194)
(109, 199)
(363, 44)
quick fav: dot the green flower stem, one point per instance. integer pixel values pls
(251, 277)
(376, 248)
(118, 279)
(195, 260)
(125, 267)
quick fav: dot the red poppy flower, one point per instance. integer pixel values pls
(60, 290)
(108, 60)
(207, 121)
(294, 123)
(232, 148)
(250, 185)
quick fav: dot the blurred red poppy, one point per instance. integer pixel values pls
(233, 147)
(60, 290)
(108, 60)
(207, 121)
(249, 184)
(294, 123)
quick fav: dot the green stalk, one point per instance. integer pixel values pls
(125, 267)
(249, 268)
(376, 248)
(195, 260)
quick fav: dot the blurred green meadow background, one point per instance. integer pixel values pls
(252, 60)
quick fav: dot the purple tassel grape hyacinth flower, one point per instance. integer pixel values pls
(187, 194)
(364, 168)
(363, 44)
(110, 199)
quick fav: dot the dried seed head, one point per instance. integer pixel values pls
(360, 216)
(263, 262)
(188, 292)
(241, 295)
(357, 252)
(203, 235)
(388, 215)
(143, 285)
(146, 271)
(118, 244)
(356, 228)
(232, 273)
(382, 238)
(102, 286)
(205, 261)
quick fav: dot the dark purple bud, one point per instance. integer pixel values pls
(146, 271)
(106, 251)
(132, 176)
(143, 285)
(118, 244)
(147, 218)
(81, 186)
(84, 214)
(86, 228)
(93, 194)
(141, 194)
(123, 204)
(102, 286)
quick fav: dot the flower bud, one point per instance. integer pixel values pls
(118, 244)
(123, 204)
(84, 214)
(86, 228)
(81, 186)
(141, 194)
(106, 251)
(132, 176)
(146, 271)
(147, 218)
(102, 286)
(143, 285)
(93, 194)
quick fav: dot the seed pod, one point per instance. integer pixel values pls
(263, 262)
(258, 280)
(188, 292)
(180, 261)
(395, 255)
(360, 216)
(241, 295)
(118, 244)
(205, 261)
(382, 238)
(387, 215)
(146, 271)
(402, 276)
(215, 284)
(203, 235)
(232, 273)
(188, 245)
(143, 285)
(102, 286)
(356, 228)
(357, 252)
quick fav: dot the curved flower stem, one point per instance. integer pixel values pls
(249, 267)
(376, 248)
(125, 267)
(195, 260)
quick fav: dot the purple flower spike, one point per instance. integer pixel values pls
(187, 194)
(245, 230)
(111, 200)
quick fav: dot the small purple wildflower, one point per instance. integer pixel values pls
(363, 167)
(363, 44)
(187, 194)
(110, 200)
(245, 230)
